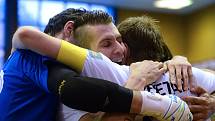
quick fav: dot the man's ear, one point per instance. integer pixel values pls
(68, 29)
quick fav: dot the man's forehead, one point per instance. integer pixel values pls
(100, 32)
(105, 28)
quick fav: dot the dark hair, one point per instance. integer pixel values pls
(144, 40)
(56, 23)
(93, 18)
(89, 18)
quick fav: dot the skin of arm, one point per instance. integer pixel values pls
(202, 106)
(37, 42)
(23, 38)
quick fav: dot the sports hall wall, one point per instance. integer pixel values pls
(192, 35)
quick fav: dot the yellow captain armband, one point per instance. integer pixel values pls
(72, 55)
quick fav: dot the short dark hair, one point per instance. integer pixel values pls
(56, 23)
(95, 17)
(143, 37)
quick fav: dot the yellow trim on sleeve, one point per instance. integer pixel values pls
(72, 55)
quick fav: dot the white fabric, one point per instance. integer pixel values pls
(173, 108)
(163, 86)
(104, 68)
(70, 114)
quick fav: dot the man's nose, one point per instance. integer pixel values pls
(119, 50)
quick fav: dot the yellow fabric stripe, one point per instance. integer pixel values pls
(72, 55)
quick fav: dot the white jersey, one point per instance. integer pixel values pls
(99, 66)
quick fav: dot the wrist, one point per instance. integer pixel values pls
(140, 84)
(180, 57)
(136, 102)
(67, 50)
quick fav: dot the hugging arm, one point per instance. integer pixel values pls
(80, 92)
(33, 39)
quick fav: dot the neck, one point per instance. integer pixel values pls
(68, 39)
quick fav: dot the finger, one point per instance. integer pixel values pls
(191, 78)
(165, 67)
(195, 100)
(197, 108)
(200, 120)
(199, 90)
(155, 62)
(172, 74)
(185, 78)
(178, 77)
(207, 95)
(160, 65)
(199, 117)
(163, 70)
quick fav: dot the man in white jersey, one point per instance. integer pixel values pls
(80, 55)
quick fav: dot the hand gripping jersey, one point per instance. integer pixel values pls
(99, 66)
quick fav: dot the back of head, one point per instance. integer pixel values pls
(144, 40)
(56, 23)
(90, 18)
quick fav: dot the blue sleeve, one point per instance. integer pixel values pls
(35, 69)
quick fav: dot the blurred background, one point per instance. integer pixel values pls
(188, 26)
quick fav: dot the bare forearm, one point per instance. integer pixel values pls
(33, 39)
(92, 117)
(136, 102)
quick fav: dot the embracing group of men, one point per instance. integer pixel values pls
(84, 68)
